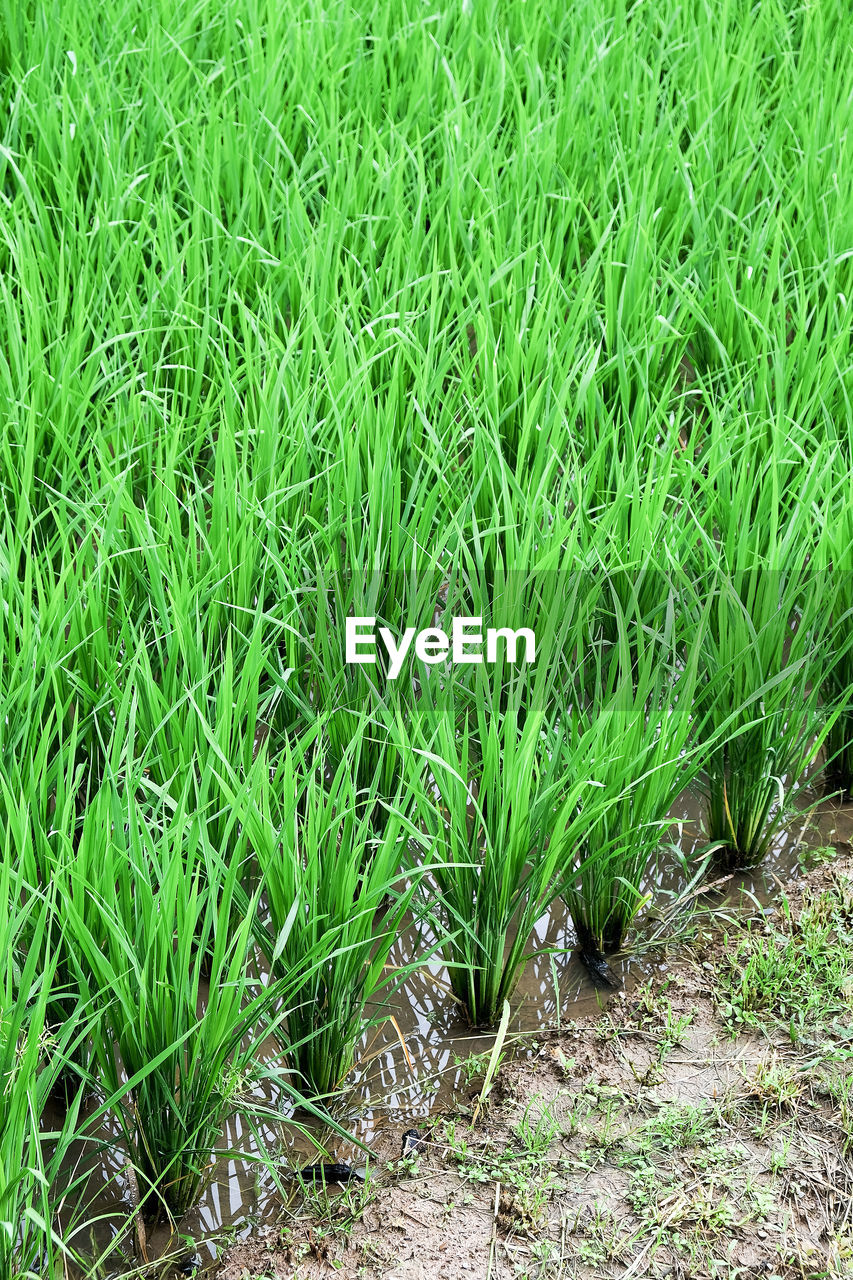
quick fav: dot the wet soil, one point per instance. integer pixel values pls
(644, 1140)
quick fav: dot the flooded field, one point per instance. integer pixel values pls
(425, 529)
(440, 1070)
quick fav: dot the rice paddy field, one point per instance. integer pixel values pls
(532, 314)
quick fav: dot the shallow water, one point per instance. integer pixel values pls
(395, 1088)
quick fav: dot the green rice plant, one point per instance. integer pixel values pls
(145, 899)
(203, 704)
(834, 557)
(32, 1055)
(772, 638)
(631, 738)
(353, 702)
(575, 804)
(46, 708)
(203, 669)
(337, 895)
(41, 799)
(500, 814)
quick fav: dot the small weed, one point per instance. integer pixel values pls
(839, 1090)
(809, 858)
(515, 1168)
(798, 974)
(679, 1126)
(773, 1084)
(522, 1211)
(537, 1128)
(672, 1031)
(341, 1205)
(781, 1158)
(601, 1237)
(472, 1067)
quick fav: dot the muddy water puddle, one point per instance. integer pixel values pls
(427, 1061)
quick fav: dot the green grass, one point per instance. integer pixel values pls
(795, 976)
(536, 314)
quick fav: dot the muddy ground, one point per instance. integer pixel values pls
(700, 1126)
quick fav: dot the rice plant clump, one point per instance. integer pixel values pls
(501, 813)
(771, 641)
(631, 735)
(159, 960)
(33, 1053)
(338, 890)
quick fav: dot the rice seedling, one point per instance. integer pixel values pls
(32, 1054)
(503, 815)
(144, 901)
(630, 736)
(337, 895)
(770, 639)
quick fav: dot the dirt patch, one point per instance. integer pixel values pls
(668, 1137)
